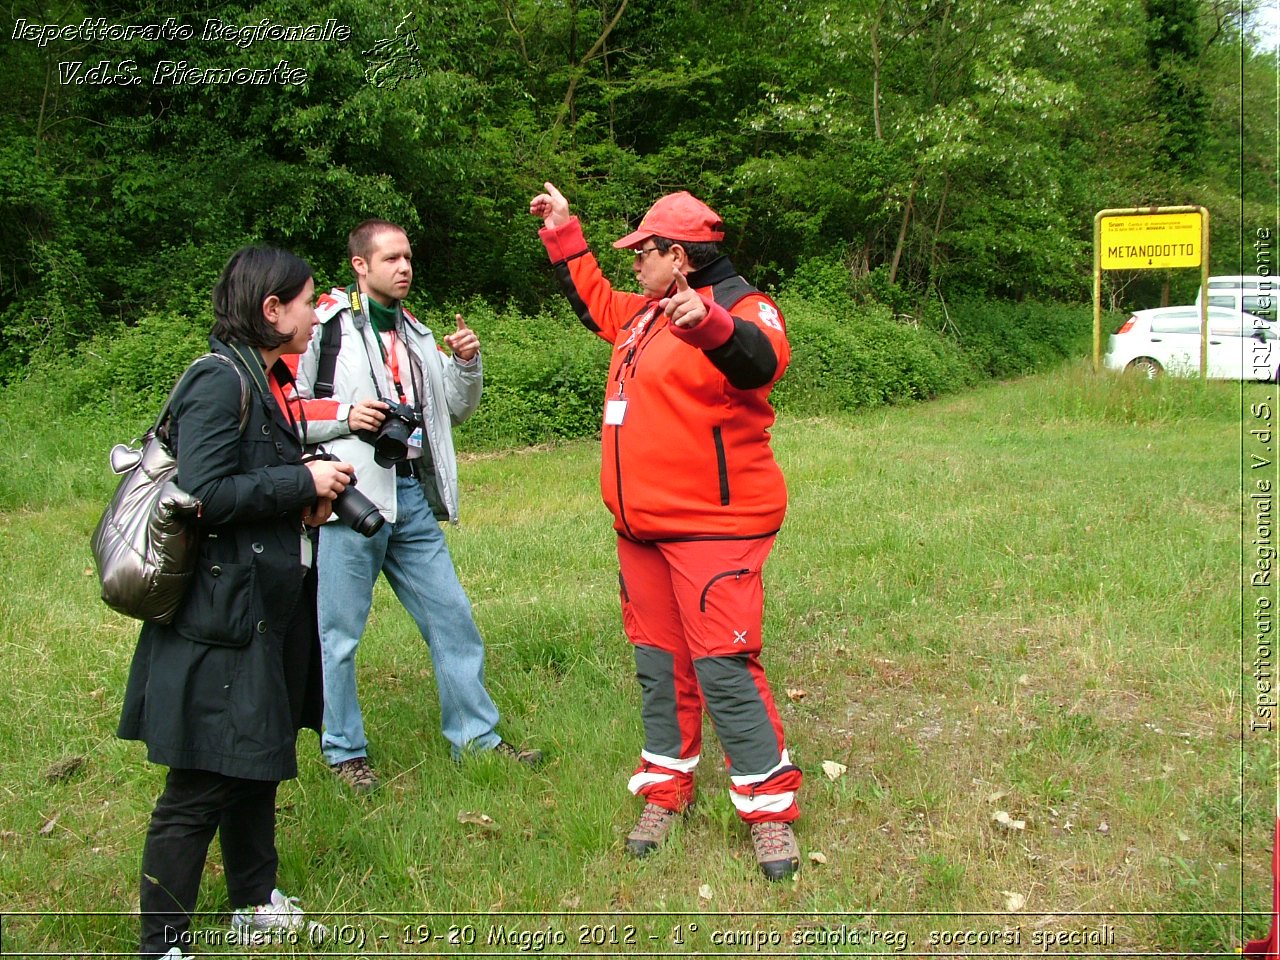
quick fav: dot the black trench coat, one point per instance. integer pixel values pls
(211, 690)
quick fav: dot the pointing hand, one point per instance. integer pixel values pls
(685, 307)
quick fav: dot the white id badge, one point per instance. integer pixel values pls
(415, 439)
(306, 551)
(614, 412)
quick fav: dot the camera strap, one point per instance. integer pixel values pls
(253, 362)
(361, 319)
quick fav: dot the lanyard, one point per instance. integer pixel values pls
(393, 362)
(646, 326)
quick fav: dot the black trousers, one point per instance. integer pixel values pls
(194, 805)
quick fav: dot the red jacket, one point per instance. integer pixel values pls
(691, 458)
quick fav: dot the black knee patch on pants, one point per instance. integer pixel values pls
(742, 722)
(655, 669)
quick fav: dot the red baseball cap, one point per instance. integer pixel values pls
(677, 216)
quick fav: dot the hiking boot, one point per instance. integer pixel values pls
(526, 755)
(776, 849)
(265, 924)
(650, 830)
(357, 774)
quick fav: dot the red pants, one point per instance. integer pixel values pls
(693, 610)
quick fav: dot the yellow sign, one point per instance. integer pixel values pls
(1151, 241)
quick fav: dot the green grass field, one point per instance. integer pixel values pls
(1026, 600)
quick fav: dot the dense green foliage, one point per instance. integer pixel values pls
(843, 359)
(543, 376)
(1001, 339)
(931, 151)
(543, 379)
(122, 371)
(1173, 46)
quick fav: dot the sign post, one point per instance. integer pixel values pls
(1151, 238)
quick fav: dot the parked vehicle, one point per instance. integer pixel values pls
(1256, 295)
(1242, 346)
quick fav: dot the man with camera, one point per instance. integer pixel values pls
(379, 393)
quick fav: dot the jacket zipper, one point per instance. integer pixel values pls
(721, 466)
(617, 471)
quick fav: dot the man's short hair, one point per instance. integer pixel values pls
(360, 240)
(250, 276)
(700, 253)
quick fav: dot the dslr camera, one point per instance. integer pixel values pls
(391, 440)
(352, 507)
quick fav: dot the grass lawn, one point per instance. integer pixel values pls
(1013, 617)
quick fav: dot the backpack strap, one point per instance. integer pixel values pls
(330, 344)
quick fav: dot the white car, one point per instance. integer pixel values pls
(1167, 340)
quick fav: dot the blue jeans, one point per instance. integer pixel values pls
(413, 554)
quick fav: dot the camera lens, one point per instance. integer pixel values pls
(392, 443)
(358, 512)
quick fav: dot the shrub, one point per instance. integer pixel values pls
(875, 287)
(64, 416)
(820, 279)
(1003, 339)
(543, 378)
(124, 372)
(844, 358)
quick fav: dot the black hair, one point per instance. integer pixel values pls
(700, 253)
(250, 276)
(360, 240)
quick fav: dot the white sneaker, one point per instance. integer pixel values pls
(274, 921)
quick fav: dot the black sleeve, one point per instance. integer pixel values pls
(570, 290)
(206, 427)
(747, 359)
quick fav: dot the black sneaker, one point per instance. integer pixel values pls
(526, 755)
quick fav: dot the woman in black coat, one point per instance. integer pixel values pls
(219, 694)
